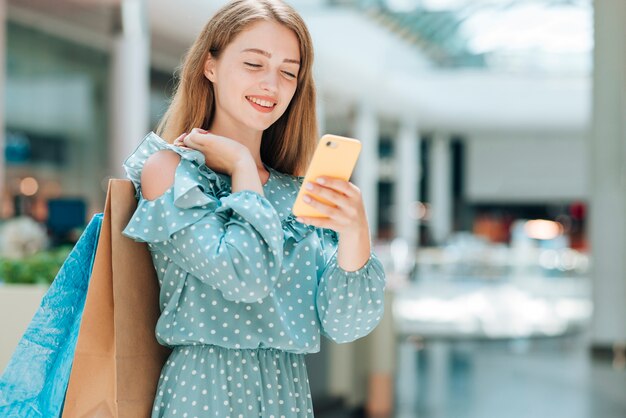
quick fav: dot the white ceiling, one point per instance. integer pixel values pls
(356, 59)
(359, 60)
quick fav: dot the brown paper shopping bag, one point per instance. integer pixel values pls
(118, 361)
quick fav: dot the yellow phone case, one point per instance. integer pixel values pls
(334, 156)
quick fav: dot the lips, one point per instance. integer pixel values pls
(261, 103)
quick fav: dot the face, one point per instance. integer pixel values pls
(255, 76)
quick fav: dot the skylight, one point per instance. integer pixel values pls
(504, 35)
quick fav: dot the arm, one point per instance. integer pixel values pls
(351, 284)
(233, 243)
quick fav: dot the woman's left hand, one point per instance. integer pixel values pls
(346, 213)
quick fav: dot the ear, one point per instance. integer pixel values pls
(209, 68)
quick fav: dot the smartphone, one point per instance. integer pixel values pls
(334, 156)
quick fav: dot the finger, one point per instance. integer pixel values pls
(337, 198)
(339, 185)
(180, 138)
(330, 211)
(191, 136)
(199, 131)
(179, 144)
(189, 139)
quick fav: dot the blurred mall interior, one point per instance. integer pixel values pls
(493, 171)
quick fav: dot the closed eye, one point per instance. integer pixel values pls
(255, 66)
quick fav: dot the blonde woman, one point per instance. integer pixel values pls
(246, 288)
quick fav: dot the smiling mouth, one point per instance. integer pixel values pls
(262, 103)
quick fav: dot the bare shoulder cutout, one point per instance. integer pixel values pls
(157, 175)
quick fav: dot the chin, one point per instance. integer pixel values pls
(263, 125)
(259, 126)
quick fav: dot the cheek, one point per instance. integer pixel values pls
(237, 81)
(288, 92)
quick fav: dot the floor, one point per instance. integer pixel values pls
(551, 378)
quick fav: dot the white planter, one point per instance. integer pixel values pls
(18, 304)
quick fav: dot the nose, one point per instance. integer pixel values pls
(269, 82)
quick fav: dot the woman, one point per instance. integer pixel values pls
(246, 288)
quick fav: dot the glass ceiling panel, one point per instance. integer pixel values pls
(508, 35)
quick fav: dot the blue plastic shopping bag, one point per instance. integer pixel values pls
(35, 380)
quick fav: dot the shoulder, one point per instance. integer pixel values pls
(158, 173)
(150, 146)
(161, 160)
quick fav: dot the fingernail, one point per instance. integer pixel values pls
(320, 180)
(306, 199)
(299, 219)
(309, 186)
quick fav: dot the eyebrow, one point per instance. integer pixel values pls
(267, 54)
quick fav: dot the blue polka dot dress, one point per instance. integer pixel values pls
(245, 291)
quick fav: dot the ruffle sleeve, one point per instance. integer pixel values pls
(232, 241)
(349, 303)
(294, 230)
(196, 188)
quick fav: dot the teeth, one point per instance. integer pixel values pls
(263, 103)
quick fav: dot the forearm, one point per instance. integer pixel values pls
(354, 249)
(236, 248)
(245, 176)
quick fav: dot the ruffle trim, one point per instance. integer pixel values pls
(150, 213)
(152, 220)
(196, 188)
(189, 184)
(372, 269)
(296, 230)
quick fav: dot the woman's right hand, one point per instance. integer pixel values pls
(179, 141)
(220, 153)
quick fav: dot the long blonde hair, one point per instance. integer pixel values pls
(288, 144)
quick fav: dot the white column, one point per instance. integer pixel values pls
(3, 53)
(408, 171)
(607, 186)
(366, 129)
(440, 188)
(407, 380)
(438, 371)
(130, 83)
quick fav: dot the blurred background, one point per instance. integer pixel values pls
(493, 170)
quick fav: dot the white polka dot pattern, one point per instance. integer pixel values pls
(238, 272)
(211, 248)
(350, 303)
(210, 381)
